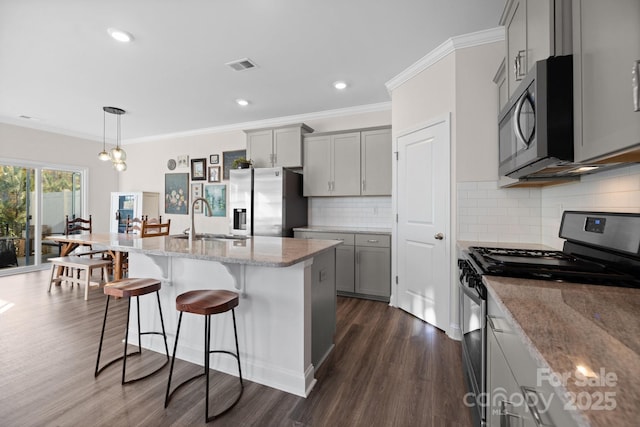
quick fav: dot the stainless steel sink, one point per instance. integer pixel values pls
(207, 236)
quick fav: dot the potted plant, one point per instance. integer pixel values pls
(241, 163)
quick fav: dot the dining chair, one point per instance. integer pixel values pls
(155, 229)
(134, 225)
(77, 225)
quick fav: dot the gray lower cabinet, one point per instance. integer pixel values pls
(345, 268)
(516, 395)
(363, 263)
(373, 265)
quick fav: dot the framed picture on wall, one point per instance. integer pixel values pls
(198, 169)
(176, 193)
(214, 159)
(183, 161)
(216, 195)
(227, 160)
(214, 173)
(196, 191)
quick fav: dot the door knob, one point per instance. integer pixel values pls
(439, 236)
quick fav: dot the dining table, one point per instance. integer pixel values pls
(71, 242)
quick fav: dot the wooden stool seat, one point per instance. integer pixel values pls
(206, 302)
(131, 287)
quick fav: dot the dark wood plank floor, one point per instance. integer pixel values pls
(388, 369)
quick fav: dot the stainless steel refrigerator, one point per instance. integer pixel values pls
(266, 202)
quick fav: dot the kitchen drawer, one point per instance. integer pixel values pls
(378, 240)
(346, 238)
(530, 375)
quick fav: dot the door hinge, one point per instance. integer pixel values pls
(396, 218)
(396, 280)
(397, 155)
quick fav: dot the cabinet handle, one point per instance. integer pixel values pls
(372, 240)
(635, 76)
(517, 66)
(364, 185)
(274, 161)
(532, 405)
(505, 416)
(492, 325)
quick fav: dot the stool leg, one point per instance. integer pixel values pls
(104, 324)
(164, 334)
(235, 333)
(173, 359)
(126, 341)
(139, 334)
(207, 355)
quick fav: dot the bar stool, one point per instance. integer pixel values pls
(206, 303)
(127, 288)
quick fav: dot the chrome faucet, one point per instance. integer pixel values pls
(208, 212)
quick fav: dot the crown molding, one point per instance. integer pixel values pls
(275, 122)
(37, 125)
(478, 38)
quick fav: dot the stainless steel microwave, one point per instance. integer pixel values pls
(536, 125)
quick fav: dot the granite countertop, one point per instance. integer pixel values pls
(260, 251)
(565, 325)
(340, 229)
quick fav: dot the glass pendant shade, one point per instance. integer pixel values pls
(120, 166)
(117, 155)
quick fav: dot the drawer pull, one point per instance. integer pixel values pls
(492, 325)
(532, 404)
(372, 240)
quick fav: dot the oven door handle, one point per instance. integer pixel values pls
(471, 294)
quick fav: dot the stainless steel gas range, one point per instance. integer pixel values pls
(600, 248)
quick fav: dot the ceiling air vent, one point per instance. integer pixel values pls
(242, 64)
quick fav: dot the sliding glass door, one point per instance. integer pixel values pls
(34, 201)
(16, 187)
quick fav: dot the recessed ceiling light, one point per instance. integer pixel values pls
(340, 85)
(121, 36)
(242, 102)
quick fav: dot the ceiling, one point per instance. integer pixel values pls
(59, 65)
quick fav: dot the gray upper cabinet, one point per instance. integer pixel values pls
(535, 30)
(375, 162)
(606, 46)
(332, 165)
(350, 163)
(277, 146)
(500, 79)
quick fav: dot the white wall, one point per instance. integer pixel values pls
(20, 143)
(147, 161)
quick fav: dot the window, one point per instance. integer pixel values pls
(34, 200)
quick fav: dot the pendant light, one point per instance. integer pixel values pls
(117, 154)
(103, 155)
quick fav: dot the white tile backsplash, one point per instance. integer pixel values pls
(373, 212)
(533, 215)
(491, 214)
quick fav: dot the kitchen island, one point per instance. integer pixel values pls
(287, 312)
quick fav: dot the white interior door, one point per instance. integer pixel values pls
(423, 176)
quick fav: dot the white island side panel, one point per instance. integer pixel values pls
(273, 317)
